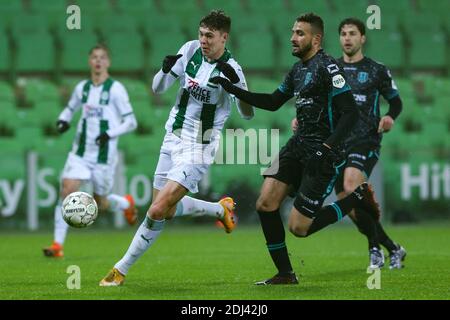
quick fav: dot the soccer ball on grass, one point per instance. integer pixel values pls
(79, 209)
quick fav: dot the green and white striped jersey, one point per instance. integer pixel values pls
(105, 108)
(200, 105)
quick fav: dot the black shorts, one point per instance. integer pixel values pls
(362, 157)
(311, 191)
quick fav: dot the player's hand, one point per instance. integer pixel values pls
(62, 126)
(294, 124)
(224, 82)
(102, 139)
(169, 62)
(316, 161)
(228, 71)
(386, 124)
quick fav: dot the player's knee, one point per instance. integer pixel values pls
(298, 231)
(264, 204)
(158, 210)
(67, 189)
(352, 215)
(102, 203)
(350, 185)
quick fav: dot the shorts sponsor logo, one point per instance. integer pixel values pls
(358, 163)
(309, 200)
(309, 210)
(302, 102)
(357, 156)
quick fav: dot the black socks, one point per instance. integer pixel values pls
(367, 226)
(273, 229)
(332, 213)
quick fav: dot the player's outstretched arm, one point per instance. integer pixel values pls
(266, 101)
(245, 110)
(128, 124)
(165, 77)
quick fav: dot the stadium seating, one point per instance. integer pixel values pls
(255, 50)
(97, 7)
(387, 48)
(75, 47)
(137, 90)
(231, 8)
(6, 92)
(9, 11)
(35, 43)
(160, 47)
(128, 52)
(29, 30)
(180, 8)
(144, 113)
(52, 10)
(350, 8)
(268, 8)
(421, 55)
(397, 8)
(40, 90)
(7, 120)
(5, 55)
(298, 8)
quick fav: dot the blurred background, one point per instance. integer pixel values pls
(41, 61)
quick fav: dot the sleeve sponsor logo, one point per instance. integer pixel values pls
(338, 81)
(332, 68)
(394, 86)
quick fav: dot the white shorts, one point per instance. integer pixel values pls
(184, 161)
(101, 175)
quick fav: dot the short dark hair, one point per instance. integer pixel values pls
(101, 46)
(216, 20)
(353, 21)
(314, 20)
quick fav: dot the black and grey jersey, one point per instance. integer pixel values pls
(368, 79)
(314, 83)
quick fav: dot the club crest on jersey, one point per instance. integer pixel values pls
(104, 97)
(308, 78)
(363, 77)
(215, 73)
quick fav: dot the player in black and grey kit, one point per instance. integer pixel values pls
(368, 80)
(313, 157)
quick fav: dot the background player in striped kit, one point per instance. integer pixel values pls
(106, 115)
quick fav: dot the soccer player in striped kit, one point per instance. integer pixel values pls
(192, 135)
(106, 114)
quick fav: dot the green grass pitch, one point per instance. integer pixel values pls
(205, 263)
